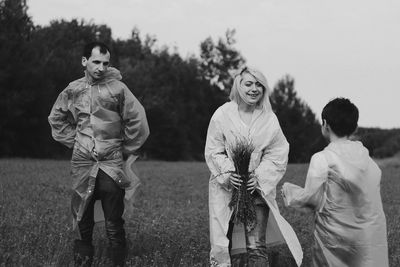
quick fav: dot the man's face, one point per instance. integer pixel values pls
(96, 65)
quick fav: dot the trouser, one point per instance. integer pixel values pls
(255, 239)
(112, 201)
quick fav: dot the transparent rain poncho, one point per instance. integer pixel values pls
(350, 225)
(268, 161)
(101, 122)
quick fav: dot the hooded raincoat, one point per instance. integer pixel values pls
(268, 161)
(350, 225)
(101, 121)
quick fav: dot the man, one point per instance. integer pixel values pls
(104, 123)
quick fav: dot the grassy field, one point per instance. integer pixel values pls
(170, 224)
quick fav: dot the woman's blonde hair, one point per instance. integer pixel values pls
(235, 95)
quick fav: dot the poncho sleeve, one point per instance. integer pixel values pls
(216, 157)
(273, 163)
(135, 126)
(310, 197)
(62, 121)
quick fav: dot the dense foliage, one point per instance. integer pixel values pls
(381, 143)
(298, 122)
(179, 94)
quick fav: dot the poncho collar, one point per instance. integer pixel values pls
(110, 75)
(232, 112)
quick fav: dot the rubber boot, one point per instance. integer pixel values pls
(258, 261)
(83, 254)
(239, 260)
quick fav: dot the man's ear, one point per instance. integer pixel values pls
(84, 61)
(326, 125)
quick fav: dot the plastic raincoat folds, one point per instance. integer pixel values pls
(350, 225)
(101, 122)
(268, 161)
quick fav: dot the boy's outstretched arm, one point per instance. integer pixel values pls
(312, 196)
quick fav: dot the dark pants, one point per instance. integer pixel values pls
(112, 201)
(255, 239)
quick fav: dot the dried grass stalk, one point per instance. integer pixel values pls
(242, 201)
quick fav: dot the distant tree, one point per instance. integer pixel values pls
(298, 122)
(15, 22)
(218, 62)
(18, 60)
(173, 93)
(39, 63)
(61, 47)
(390, 147)
(381, 143)
(179, 95)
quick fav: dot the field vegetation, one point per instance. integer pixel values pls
(169, 226)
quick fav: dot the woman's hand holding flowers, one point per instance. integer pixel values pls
(235, 180)
(252, 183)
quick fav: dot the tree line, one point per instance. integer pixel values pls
(179, 94)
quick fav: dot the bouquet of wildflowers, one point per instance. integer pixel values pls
(242, 201)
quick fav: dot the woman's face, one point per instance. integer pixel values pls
(251, 89)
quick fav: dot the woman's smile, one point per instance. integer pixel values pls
(253, 95)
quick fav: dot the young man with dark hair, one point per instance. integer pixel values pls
(87, 49)
(342, 189)
(104, 123)
(341, 115)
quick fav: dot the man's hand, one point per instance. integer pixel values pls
(283, 193)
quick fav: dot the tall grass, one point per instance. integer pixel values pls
(169, 226)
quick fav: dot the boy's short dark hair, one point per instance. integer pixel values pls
(87, 49)
(341, 115)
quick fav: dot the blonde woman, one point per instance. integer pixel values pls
(248, 115)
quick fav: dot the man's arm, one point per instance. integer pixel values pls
(135, 127)
(312, 195)
(62, 121)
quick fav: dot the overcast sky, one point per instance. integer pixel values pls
(347, 48)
